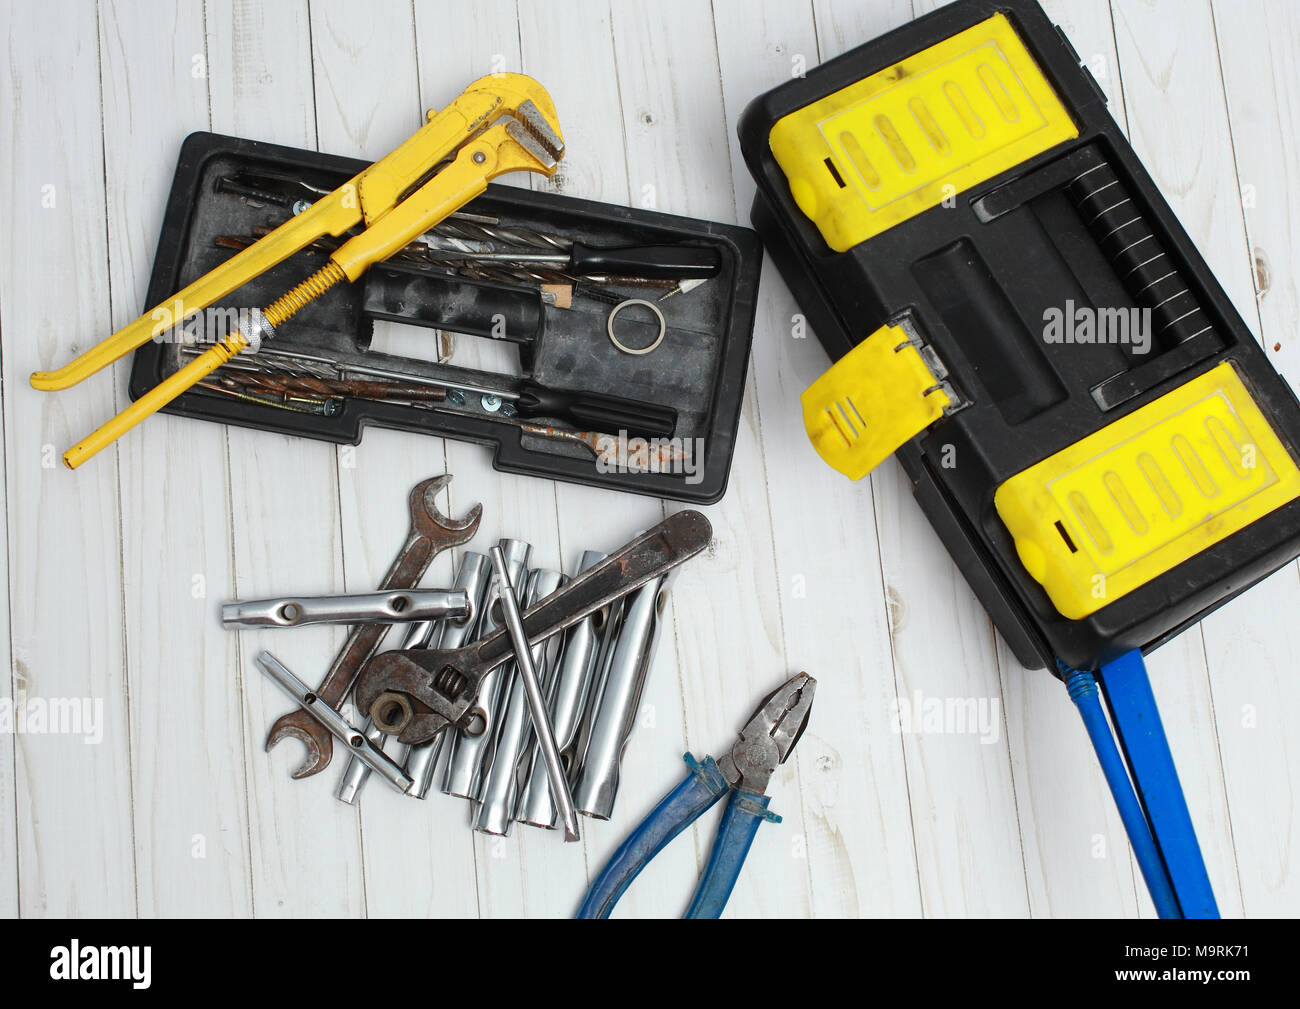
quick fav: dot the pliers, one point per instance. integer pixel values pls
(743, 773)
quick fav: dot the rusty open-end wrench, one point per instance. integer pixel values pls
(431, 533)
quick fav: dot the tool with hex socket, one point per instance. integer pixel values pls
(1013, 310)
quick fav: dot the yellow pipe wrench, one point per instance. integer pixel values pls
(501, 123)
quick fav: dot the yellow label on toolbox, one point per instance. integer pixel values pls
(1137, 498)
(870, 401)
(905, 139)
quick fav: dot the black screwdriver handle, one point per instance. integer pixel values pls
(658, 262)
(597, 412)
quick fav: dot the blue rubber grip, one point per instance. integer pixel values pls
(744, 812)
(1127, 690)
(1082, 687)
(681, 807)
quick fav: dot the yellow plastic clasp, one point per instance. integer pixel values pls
(872, 400)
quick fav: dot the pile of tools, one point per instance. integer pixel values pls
(490, 700)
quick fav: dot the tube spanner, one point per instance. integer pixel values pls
(398, 607)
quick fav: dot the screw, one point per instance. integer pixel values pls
(479, 157)
(491, 402)
(508, 409)
(456, 396)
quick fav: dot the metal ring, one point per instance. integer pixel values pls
(609, 325)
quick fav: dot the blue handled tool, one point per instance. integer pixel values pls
(1139, 769)
(765, 742)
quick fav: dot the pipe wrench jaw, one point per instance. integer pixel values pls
(535, 134)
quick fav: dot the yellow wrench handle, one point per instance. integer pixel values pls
(332, 214)
(155, 399)
(200, 368)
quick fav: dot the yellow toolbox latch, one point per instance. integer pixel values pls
(886, 390)
(917, 133)
(1135, 499)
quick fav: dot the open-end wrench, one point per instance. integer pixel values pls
(416, 694)
(431, 533)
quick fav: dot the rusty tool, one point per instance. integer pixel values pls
(289, 386)
(431, 533)
(416, 694)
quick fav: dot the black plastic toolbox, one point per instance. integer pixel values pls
(699, 370)
(977, 275)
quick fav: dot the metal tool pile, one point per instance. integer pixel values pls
(490, 701)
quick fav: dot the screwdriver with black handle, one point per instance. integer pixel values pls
(656, 262)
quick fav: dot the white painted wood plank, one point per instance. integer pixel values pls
(8, 739)
(74, 800)
(677, 144)
(1077, 858)
(531, 873)
(367, 62)
(187, 755)
(1252, 663)
(1169, 67)
(857, 813)
(573, 58)
(962, 791)
(285, 537)
(421, 860)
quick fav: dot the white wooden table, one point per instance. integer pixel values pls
(114, 573)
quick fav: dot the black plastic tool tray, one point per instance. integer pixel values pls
(978, 277)
(699, 369)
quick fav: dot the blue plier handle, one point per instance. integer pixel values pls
(699, 791)
(743, 774)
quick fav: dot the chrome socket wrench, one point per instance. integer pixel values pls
(361, 608)
(465, 763)
(567, 697)
(614, 711)
(514, 729)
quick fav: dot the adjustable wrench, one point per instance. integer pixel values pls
(431, 533)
